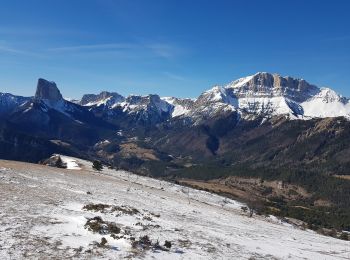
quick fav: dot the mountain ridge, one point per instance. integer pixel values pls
(261, 94)
(242, 105)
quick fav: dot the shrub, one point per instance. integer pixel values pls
(245, 209)
(267, 191)
(97, 165)
(103, 241)
(167, 244)
(344, 236)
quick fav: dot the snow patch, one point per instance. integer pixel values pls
(70, 162)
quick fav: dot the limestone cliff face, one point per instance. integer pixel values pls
(268, 85)
(47, 90)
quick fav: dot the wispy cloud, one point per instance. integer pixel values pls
(161, 50)
(124, 50)
(40, 31)
(174, 76)
(164, 50)
(94, 47)
(10, 50)
(5, 48)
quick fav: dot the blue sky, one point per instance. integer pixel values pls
(170, 47)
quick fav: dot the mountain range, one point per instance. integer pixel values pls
(236, 140)
(262, 94)
(83, 124)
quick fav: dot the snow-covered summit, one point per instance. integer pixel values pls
(264, 84)
(326, 103)
(109, 99)
(328, 95)
(265, 94)
(151, 103)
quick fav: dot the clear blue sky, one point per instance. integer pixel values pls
(170, 47)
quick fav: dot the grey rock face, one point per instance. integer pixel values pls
(150, 103)
(266, 84)
(108, 98)
(47, 90)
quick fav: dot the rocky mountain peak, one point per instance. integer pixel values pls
(265, 80)
(104, 98)
(213, 95)
(263, 84)
(149, 102)
(47, 90)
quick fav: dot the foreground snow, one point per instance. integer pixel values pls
(42, 217)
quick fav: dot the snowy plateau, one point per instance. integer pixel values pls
(79, 213)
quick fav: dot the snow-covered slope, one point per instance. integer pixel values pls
(9, 102)
(55, 213)
(326, 103)
(180, 106)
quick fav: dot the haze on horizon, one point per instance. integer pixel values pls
(172, 48)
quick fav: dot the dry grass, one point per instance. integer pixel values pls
(248, 189)
(344, 177)
(133, 150)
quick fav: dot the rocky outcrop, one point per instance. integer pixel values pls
(47, 90)
(109, 99)
(264, 84)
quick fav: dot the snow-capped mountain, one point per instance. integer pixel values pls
(105, 98)
(262, 95)
(180, 106)
(49, 115)
(145, 108)
(150, 103)
(268, 95)
(326, 103)
(48, 97)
